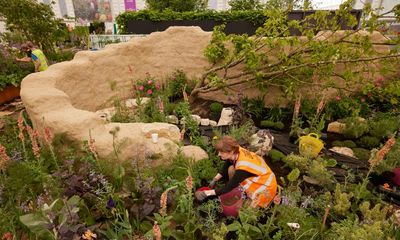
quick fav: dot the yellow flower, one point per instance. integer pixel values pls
(89, 235)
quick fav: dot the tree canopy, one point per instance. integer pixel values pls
(177, 5)
(274, 58)
(36, 21)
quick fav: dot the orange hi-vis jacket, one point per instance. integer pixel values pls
(261, 188)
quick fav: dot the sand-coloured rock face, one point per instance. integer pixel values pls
(65, 97)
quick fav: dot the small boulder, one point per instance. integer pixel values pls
(213, 123)
(226, 117)
(344, 151)
(195, 152)
(205, 122)
(336, 127)
(261, 142)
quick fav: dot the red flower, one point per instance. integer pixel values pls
(158, 86)
(338, 98)
(141, 88)
(149, 82)
(149, 92)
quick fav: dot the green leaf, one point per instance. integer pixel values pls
(293, 175)
(235, 226)
(119, 172)
(330, 162)
(37, 224)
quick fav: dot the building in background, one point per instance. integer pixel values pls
(82, 12)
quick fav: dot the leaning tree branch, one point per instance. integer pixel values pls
(267, 76)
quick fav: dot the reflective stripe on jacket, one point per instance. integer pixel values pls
(42, 58)
(261, 187)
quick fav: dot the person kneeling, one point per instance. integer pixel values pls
(244, 169)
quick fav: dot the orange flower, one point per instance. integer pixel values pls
(48, 136)
(7, 236)
(386, 186)
(163, 203)
(297, 105)
(92, 147)
(157, 231)
(189, 183)
(321, 105)
(4, 158)
(380, 155)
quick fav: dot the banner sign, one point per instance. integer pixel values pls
(130, 5)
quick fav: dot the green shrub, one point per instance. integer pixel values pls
(256, 17)
(276, 155)
(391, 161)
(178, 82)
(349, 144)
(216, 107)
(355, 127)
(384, 127)
(368, 142)
(361, 153)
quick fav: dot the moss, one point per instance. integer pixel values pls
(276, 155)
(337, 143)
(272, 124)
(349, 144)
(368, 142)
(361, 153)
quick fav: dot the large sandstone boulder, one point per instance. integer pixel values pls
(65, 97)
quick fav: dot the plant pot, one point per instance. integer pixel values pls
(9, 93)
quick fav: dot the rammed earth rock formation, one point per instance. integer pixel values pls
(65, 97)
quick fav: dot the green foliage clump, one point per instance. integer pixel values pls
(177, 83)
(177, 5)
(349, 144)
(238, 5)
(355, 127)
(276, 155)
(361, 153)
(35, 20)
(368, 142)
(391, 160)
(343, 108)
(342, 201)
(271, 124)
(384, 126)
(256, 17)
(254, 106)
(216, 107)
(12, 72)
(296, 161)
(319, 172)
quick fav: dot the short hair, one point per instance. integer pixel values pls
(227, 144)
(27, 45)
